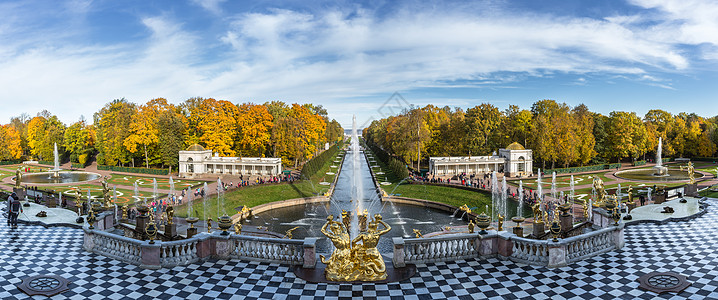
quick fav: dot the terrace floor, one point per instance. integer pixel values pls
(686, 247)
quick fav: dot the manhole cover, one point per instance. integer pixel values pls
(47, 285)
(661, 282)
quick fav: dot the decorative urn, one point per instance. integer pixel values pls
(555, 230)
(151, 231)
(191, 221)
(483, 222)
(224, 223)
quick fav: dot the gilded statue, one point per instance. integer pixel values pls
(106, 192)
(170, 212)
(209, 225)
(630, 194)
(18, 176)
(238, 228)
(358, 259)
(362, 217)
(288, 234)
(371, 264)
(418, 234)
(346, 219)
(471, 226)
(600, 190)
(340, 266)
(501, 222)
(537, 212)
(691, 173)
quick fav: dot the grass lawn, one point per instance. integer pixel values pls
(448, 195)
(636, 186)
(708, 193)
(146, 182)
(260, 194)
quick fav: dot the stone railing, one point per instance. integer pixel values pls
(179, 253)
(441, 248)
(285, 251)
(199, 248)
(111, 245)
(506, 245)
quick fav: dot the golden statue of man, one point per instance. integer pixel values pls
(340, 266)
(367, 255)
(537, 212)
(600, 190)
(18, 176)
(691, 173)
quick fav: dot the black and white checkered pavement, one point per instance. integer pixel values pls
(689, 248)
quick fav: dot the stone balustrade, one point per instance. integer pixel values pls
(506, 245)
(199, 248)
(435, 249)
(114, 246)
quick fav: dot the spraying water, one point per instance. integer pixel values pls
(659, 160)
(220, 198)
(519, 211)
(553, 185)
(572, 194)
(57, 159)
(357, 191)
(504, 198)
(204, 203)
(618, 191)
(494, 195)
(137, 192)
(154, 189)
(172, 189)
(539, 186)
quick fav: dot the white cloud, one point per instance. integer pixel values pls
(212, 6)
(334, 56)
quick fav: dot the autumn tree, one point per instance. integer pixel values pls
(254, 123)
(212, 123)
(10, 142)
(112, 123)
(171, 128)
(79, 141)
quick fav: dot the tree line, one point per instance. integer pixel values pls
(151, 134)
(558, 134)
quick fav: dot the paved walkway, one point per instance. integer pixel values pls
(684, 247)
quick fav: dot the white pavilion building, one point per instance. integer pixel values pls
(514, 161)
(197, 161)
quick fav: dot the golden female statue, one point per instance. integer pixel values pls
(367, 255)
(340, 266)
(537, 212)
(600, 190)
(18, 176)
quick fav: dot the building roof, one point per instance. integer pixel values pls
(195, 147)
(515, 146)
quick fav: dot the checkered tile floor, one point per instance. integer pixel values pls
(688, 248)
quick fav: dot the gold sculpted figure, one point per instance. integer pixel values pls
(630, 194)
(537, 212)
(371, 263)
(357, 260)
(418, 234)
(237, 228)
(209, 225)
(106, 192)
(600, 190)
(501, 222)
(170, 212)
(470, 226)
(363, 220)
(288, 234)
(18, 176)
(346, 219)
(691, 173)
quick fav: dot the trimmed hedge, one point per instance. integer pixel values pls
(666, 159)
(77, 166)
(9, 162)
(315, 164)
(134, 170)
(394, 164)
(711, 159)
(46, 162)
(639, 163)
(583, 169)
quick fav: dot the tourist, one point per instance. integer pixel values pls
(642, 199)
(14, 209)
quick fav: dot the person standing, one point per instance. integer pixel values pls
(14, 209)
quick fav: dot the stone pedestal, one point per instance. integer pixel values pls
(539, 229)
(170, 230)
(659, 198)
(50, 202)
(150, 255)
(691, 190)
(566, 222)
(519, 231)
(556, 255)
(142, 221)
(20, 193)
(310, 255)
(191, 232)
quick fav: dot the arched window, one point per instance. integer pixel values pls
(190, 166)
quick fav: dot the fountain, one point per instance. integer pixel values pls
(659, 169)
(56, 177)
(494, 196)
(172, 190)
(553, 185)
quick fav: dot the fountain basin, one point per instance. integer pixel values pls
(650, 175)
(62, 177)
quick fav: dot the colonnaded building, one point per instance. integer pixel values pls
(198, 161)
(514, 161)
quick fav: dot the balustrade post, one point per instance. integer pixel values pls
(89, 239)
(506, 245)
(150, 254)
(557, 254)
(310, 253)
(399, 257)
(488, 244)
(203, 245)
(618, 236)
(220, 245)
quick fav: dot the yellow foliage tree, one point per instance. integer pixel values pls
(255, 125)
(9, 143)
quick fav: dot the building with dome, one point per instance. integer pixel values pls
(197, 160)
(513, 161)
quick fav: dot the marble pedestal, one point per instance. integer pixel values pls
(691, 190)
(170, 230)
(191, 232)
(566, 222)
(539, 229)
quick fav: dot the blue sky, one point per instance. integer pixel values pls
(72, 57)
